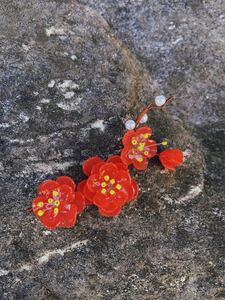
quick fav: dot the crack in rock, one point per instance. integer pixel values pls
(44, 258)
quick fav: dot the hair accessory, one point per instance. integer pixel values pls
(109, 184)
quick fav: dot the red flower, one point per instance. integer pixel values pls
(171, 158)
(57, 203)
(109, 185)
(138, 147)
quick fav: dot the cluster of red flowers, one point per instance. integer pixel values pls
(108, 186)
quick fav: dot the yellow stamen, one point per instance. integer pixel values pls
(56, 210)
(112, 181)
(146, 135)
(141, 147)
(112, 192)
(146, 153)
(50, 200)
(40, 204)
(118, 186)
(106, 177)
(57, 202)
(55, 193)
(140, 159)
(164, 143)
(103, 184)
(40, 213)
(134, 142)
(103, 191)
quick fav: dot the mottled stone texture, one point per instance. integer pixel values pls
(70, 74)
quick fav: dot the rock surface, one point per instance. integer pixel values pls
(67, 84)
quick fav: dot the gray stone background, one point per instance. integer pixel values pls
(71, 72)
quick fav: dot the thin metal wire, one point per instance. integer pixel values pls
(150, 107)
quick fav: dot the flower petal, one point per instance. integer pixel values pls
(124, 156)
(66, 180)
(122, 196)
(79, 201)
(122, 166)
(68, 216)
(81, 185)
(47, 186)
(108, 169)
(108, 213)
(151, 148)
(101, 200)
(51, 221)
(89, 163)
(93, 183)
(141, 165)
(144, 130)
(97, 167)
(122, 176)
(127, 137)
(114, 159)
(89, 196)
(171, 158)
(106, 202)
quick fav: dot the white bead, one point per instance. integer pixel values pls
(160, 100)
(130, 124)
(144, 119)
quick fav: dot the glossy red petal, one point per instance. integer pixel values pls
(143, 130)
(106, 202)
(46, 186)
(66, 180)
(171, 158)
(108, 213)
(127, 137)
(81, 185)
(151, 147)
(67, 194)
(89, 163)
(124, 156)
(79, 201)
(93, 183)
(50, 222)
(89, 196)
(68, 216)
(122, 176)
(101, 201)
(114, 159)
(141, 166)
(108, 169)
(122, 166)
(97, 167)
(122, 196)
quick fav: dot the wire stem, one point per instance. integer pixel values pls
(150, 107)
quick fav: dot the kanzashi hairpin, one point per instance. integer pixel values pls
(109, 184)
